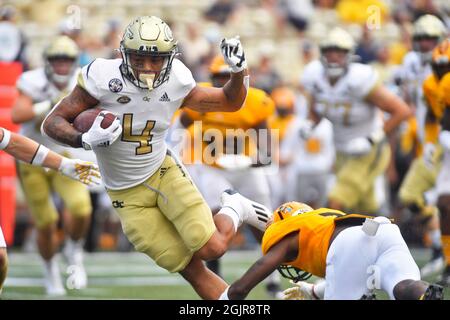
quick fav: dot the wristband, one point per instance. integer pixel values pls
(6, 137)
(40, 155)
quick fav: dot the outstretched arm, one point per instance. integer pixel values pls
(57, 124)
(30, 151)
(285, 250)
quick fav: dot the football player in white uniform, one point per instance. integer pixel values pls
(161, 211)
(349, 95)
(428, 31)
(39, 90)
(27, 150)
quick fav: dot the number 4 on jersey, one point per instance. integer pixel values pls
(143, 139)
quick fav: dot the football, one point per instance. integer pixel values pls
(83, 122)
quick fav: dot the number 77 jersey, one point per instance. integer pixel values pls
(344, 102)
(145, 117)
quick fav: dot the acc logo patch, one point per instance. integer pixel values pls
(115, 85)
(123, 99)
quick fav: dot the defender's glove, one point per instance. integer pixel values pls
(362, 145)
(83, 171)
(302, 291)
(233, 54)
(99, 137)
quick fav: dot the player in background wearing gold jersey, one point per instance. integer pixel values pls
(354, 253)
(27, 150)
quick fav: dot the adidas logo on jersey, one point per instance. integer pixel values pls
(164, 97)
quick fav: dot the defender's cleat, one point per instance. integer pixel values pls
(250, 212)
(435, 265)
(434, 292)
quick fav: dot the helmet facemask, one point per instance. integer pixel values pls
(53, 71)
(335, 69)
(424, 45)
(139, 75)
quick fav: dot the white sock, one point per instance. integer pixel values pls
(232, 214)
(435, 236)
(51, 265)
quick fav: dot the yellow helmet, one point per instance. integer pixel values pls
(440, 59)
(61, 47)
(148, 36)
(338, 39)
(283, 98)
(290, 209)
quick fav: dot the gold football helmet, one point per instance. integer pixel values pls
(61, 48)
(428, 31)
(337, 40)
(147, 36)
(290, 209)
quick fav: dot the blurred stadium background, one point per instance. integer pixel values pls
(279, 37)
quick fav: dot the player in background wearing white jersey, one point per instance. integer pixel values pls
(420, 179)
(349, 95)
(39, 89)
(27, 150)
(161, 211)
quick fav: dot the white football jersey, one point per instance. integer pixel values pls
(145, 117)
(36, 85)
(344, 103)
(414, 73)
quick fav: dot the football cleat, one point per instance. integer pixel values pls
(52, 279)
(445, 278)
(370, 296)
(73, 254)
(250, 212)
(434, 292)
(435, 265)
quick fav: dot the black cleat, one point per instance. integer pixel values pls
(371, 296)
(434, 292)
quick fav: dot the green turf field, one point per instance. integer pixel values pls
(130, 276)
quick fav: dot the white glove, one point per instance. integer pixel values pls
(306, 129)
(444, 139)
(233, 53)
(302, 291)
(99, 137)
(83, 171)
(428, 154)
(41, 108)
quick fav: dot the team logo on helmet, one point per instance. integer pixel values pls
(115, 85)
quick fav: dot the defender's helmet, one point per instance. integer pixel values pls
(290, 209)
